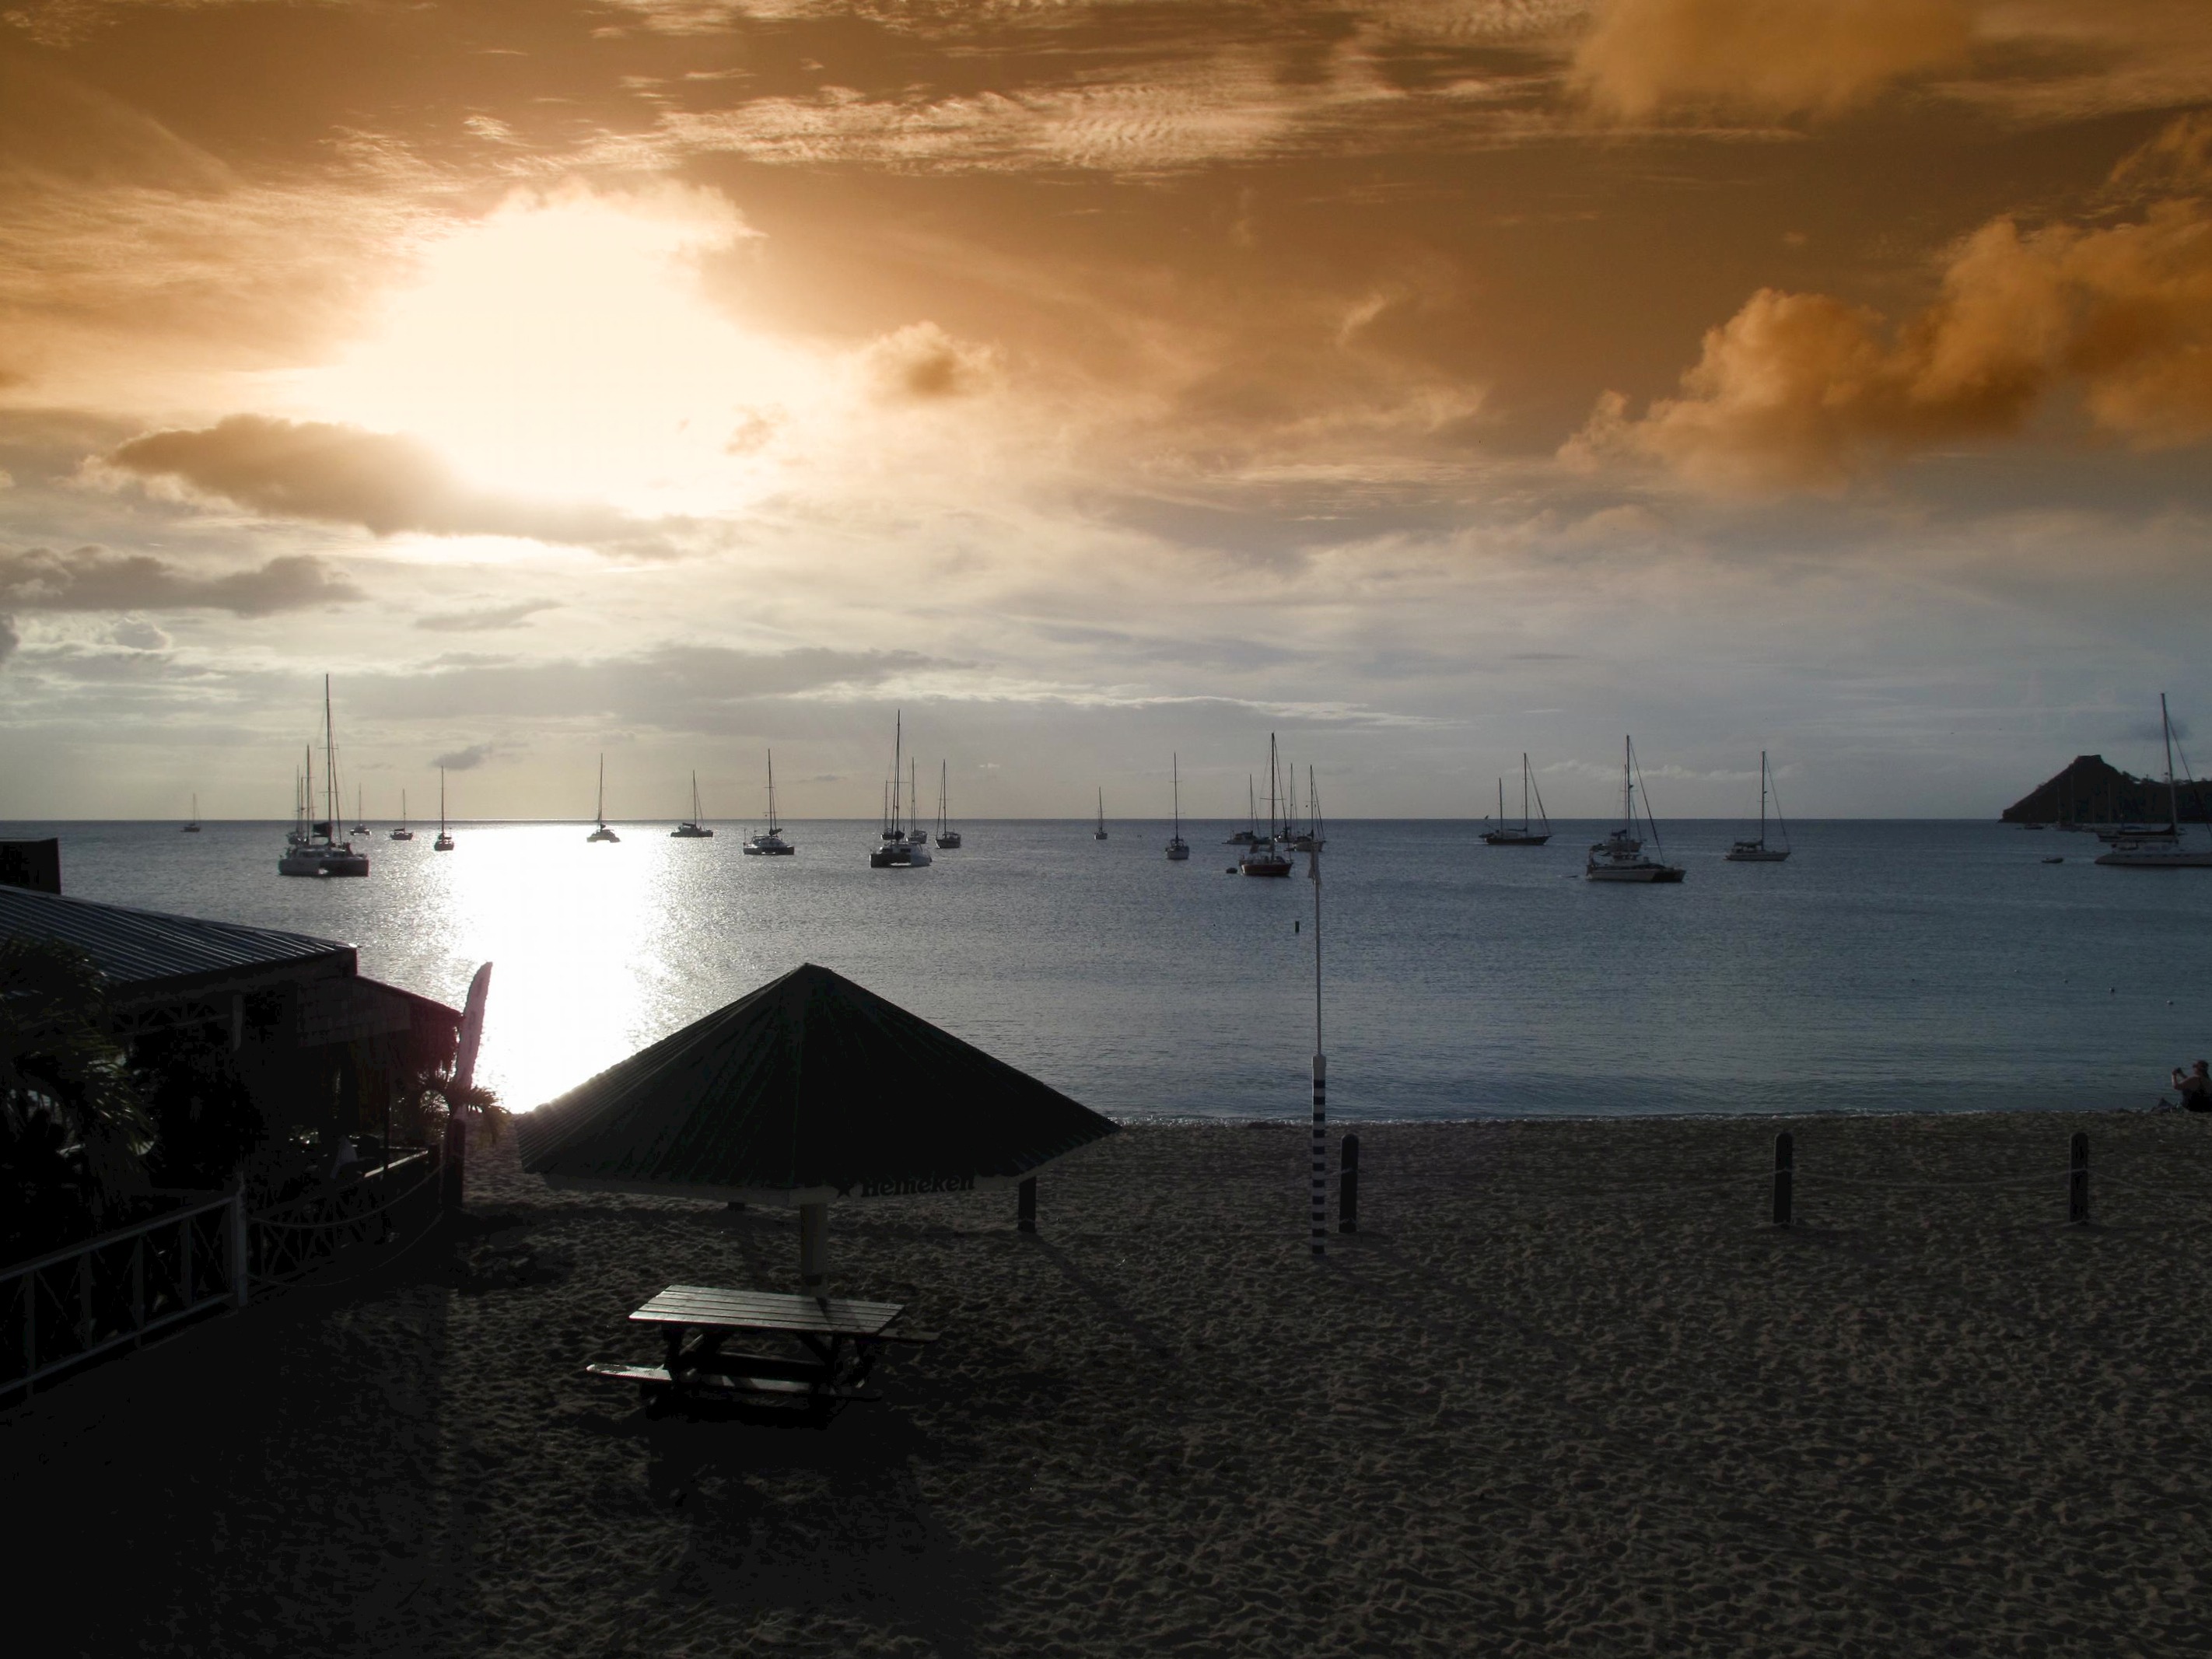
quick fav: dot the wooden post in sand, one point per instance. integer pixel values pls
(1025, 1206)
(1785, 1176)
(2077, 1183)
(1347, 1185)
(814, 1249)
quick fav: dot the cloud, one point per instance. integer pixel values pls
(485, 620)
(136, 634)
(9, 639)
(1802, 391)
(468, 759)
(921, 363)
(385, 484)
(1768, 57)
(95, 578)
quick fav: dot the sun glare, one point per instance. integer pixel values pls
(562, 348)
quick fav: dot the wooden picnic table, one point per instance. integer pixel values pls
(837, 1343)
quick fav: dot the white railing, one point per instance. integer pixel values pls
(109, 1293)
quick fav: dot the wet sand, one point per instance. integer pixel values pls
(1565, 1394)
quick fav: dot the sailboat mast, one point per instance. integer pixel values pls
(1175, 772)
(1524, 789)
(898, 753)
(1762, 798)
(2172, 801)
(913, 792)
(1627, 789)
(330, 769)
(1275, 770)
(1501, 803)
(771, 792)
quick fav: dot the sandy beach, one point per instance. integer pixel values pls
(1565, 1394)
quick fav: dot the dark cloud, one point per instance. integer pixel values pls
(468, 759)
(95, 578)
(921, 363)
(9, 639)
(485, 620)
(343, 474)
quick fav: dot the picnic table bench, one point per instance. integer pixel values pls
(834, 1345)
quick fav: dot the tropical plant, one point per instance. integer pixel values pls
(434, 1095)
(66, 1090)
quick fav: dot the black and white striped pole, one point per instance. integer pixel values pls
(1311, 842)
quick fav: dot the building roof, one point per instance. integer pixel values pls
(146, 954)
(809, 1088)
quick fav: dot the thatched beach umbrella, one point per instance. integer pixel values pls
(810, 1090)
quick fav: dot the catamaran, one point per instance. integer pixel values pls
(1620, 856)
(444, 841)
(1521, 835)
(313, 848)
(400, 831)
(900, 847)
(603, 833)
(1757, 851)
(770, 842)
(2161, 849)
(946, 834)
(1178, 848)
(691, 829)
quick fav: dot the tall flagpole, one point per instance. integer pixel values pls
(1311, 843)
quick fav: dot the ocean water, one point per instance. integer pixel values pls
(1885, 966)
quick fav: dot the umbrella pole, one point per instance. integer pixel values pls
(814, 1249)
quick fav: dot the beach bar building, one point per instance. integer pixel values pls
(316, 1045)
(808, 1091)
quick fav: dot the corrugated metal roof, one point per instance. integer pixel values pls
(811, 1084)
(141, 950)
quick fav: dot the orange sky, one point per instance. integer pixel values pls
(1427, 382)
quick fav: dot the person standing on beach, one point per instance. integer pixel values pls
(2196, 1087)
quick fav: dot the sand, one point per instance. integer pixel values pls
(1565, 1394)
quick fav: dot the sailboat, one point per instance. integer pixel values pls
(1250, 835)
(1268, 856)
(1521, 835)
(1620, 856)
(193, 827)
(313, 848)
(900, 848)
(444, 841)
(1099, 834)
(770, 841)
(400, 831)
(2159, 849)
(691, 829)
(360, 828)
(946, 834)
(603, 833)
(1758, 851)
(1178, 848)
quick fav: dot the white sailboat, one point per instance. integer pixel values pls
(603, 833)
(770, 842)
(400, 831)
(1757, 851)
(946, 834)
(2161, 849)
(691, 829)
(1522, 834)
(444, 841)
(1178, 848)
(900, 848)
(1268, 854)
(1620, 856)
(313, 848)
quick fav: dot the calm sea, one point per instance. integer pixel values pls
(1887, 965)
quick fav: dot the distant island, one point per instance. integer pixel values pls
(2091, 790)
